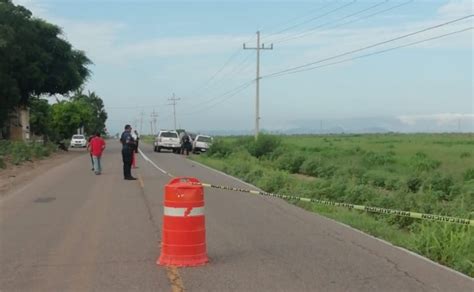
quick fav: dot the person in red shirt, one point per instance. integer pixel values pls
(97, 146)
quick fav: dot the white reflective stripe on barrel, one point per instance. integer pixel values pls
(184, 212)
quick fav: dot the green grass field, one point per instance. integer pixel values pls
(428, 173)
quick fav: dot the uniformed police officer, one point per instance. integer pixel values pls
(128, 146)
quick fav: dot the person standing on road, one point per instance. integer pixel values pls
(128, 146)
(136, 137)
(90, 150)
(97, 146)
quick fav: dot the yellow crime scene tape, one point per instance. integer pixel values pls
(422, 216)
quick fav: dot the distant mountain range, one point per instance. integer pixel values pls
(361, 125)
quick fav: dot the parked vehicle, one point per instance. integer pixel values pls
(202, 143)
(78, 141)
(167, 140)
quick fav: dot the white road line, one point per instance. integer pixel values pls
(154, 164)
(326, 218)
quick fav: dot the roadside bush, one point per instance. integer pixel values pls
(20, 152)
(265, 145)
(469, 174)
(220, 149)
(2, 163)
(359, 194)
(290, 161)
(314, 166)
(447, 244)
(441, 186)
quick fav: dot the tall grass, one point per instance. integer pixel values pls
(425, 173)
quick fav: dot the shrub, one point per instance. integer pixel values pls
(469, 174)
(315, 167)
(220, 149)
(376, 159)
(290, 161)
(421, 162)
(359, 194)
(265, 145)
(441, 186)
(465, 155)
(2, 163)
(20, 152)
(375, 179)
(414, 184)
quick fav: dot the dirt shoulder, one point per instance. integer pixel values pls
(14, 176)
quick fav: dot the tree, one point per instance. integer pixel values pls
(68, 116)
(40, 117)
(99, 115)
(34, 59)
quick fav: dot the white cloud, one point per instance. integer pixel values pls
(439, 119)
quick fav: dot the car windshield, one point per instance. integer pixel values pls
(78, 137)
(168, 135)
(204, 139)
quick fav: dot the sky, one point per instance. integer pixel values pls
(145, 51)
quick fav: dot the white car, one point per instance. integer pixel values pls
(167, 140)
(202, 143)
(78, 141)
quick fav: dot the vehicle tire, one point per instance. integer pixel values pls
(158, 149)
(154, 149)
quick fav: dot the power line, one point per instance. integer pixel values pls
(376, 53)
(304, 22)
(209, 81)
(368, 47)
(229, 92)
(242, 88)
(371, 15)
(310, 31)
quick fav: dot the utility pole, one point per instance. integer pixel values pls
(153, 116)
(141, 120)
(257, 93)
(173, 103)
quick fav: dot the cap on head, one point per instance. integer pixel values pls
(128, 127)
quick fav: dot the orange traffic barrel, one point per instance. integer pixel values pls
(183, 241)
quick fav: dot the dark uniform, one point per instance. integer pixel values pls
(128, 146)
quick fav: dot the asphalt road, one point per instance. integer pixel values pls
(69, 230)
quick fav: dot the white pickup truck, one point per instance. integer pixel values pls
(167, 140)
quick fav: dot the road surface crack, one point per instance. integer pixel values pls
(396, 267)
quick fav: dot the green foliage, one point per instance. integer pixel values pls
(314, 166)
(265, 145)
(377, 159)
(447, 244)
(36, 59)
(96, 122)
(290, 161)
(220, 148)
(469, 174)
(40, 116)
(19, 152)
(389, 171)
(465, 154)
(421, 162)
